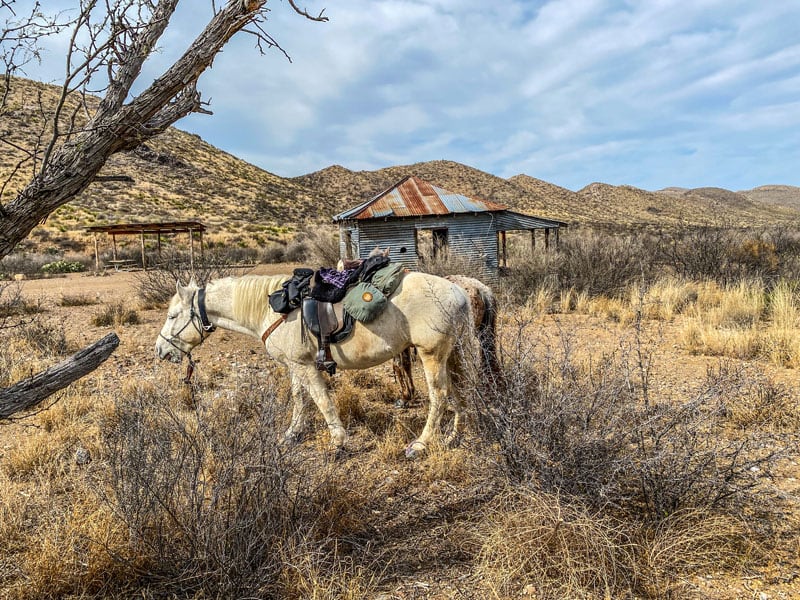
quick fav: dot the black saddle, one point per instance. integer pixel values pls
(329, 326)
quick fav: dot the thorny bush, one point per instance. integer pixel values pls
(589, 428)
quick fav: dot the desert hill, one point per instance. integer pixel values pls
(178, 176)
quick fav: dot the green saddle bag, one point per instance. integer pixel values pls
(388, 278)
(364, 302)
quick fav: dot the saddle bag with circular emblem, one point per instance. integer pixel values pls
(364, 302)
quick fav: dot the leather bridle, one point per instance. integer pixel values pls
(198, 319)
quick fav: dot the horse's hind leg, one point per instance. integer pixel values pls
(312, 380)
(457, 367)
(437, 379)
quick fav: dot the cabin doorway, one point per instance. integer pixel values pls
(431, 243)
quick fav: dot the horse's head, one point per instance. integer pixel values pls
(183, 329)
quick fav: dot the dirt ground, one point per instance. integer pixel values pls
(676, 374)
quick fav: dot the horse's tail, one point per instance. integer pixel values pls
(487, 332)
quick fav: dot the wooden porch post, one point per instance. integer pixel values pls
(114, 243)
(504, 248)
(144, 260)
(191, 249)
(159, 245)
(96, 253)
(533, 241)
(547, 238)
(202, 251)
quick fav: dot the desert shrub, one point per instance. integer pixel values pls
(13, 303)
(322, 247)
(62, 266)
(115, 315)
(602, 264)
(593, 263)
(542, 545)
(22, 262)
(447, 263)
(697, 252)
(216, 507)
(273, 252)
(297, 251)
(593, 430)
(76, 300)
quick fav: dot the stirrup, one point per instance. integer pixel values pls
(328, 366)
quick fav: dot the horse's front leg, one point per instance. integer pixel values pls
(316, 386)
(299, 423)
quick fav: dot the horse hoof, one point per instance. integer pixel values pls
(415, 450)
(291, 438)
(338, 438)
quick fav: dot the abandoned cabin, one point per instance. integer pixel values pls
(419, 221)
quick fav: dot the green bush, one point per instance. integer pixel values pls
(63, 266)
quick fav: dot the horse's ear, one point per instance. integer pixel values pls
(193, 282)
(386, 252)
(184, 292)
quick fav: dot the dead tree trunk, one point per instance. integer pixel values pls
(30, 392)
(68, 169)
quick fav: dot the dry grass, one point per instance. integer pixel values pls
(745, 320)
(194, 499)
(539, 545)
(115, 315)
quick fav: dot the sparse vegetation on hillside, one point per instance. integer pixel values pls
(178, 176)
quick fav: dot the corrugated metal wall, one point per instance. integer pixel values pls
(471, 235)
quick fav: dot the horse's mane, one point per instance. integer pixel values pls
(250, 297)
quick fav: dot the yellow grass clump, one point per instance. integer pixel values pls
(746, 321)
(537, 544)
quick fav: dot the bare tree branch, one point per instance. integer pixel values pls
(30, 392)
(110, 40)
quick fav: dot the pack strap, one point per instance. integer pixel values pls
(272, 328)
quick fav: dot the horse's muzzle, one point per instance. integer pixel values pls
(168, 353)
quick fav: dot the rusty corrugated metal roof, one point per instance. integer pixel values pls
(413, 197)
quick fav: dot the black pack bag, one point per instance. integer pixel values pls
(292, 292)
(371, 265)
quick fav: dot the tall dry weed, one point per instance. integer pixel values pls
(541, 545)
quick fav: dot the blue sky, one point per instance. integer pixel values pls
(650, 93)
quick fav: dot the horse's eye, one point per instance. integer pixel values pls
(171, 316)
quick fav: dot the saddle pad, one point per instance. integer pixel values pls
(364, 302)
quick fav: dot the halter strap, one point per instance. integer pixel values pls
(201, 309)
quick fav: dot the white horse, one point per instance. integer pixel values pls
(484, 314)
(425, 311)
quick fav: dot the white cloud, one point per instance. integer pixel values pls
(571, 90)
